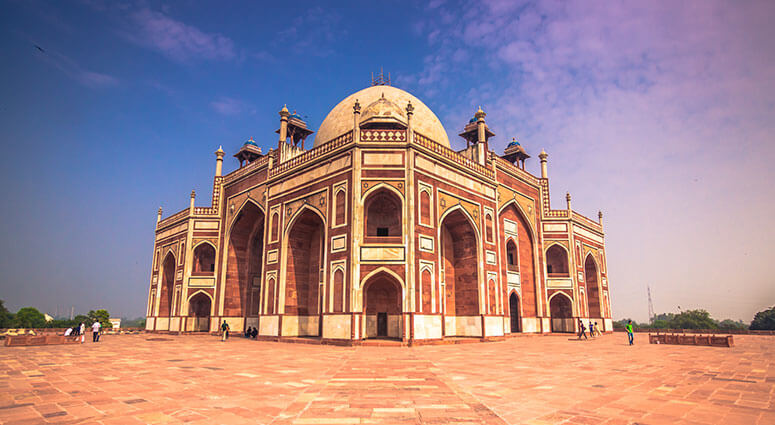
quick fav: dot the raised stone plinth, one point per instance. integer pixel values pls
(704, 340)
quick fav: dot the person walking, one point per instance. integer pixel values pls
(630, 335)
(597, 330)
(82, 332)
(225, 330)
(95, 329)
(592, 329)
(582, 330)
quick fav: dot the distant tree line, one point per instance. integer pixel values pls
(700, 319)
(30, 317)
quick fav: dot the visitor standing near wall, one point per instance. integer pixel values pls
(630, 335)
(225, 330)
(95, 329)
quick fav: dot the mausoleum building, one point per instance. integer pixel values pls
(379, 229)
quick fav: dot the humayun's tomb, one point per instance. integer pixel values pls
(380, 230)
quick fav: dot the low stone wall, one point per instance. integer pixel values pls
(682, 339)
(700, 331)
(29, 340)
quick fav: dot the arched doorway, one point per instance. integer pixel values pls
(382, 306)
(593, 292)
(514, 313)
(243, 265)
(167, 286)
(562, 313)
(460, 269)
(304, 261)
(199, 312)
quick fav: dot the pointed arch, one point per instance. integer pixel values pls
(515, 311)
(531, 296)
(383, 304)
(302, 267)
(557, 260)
(204, 253)
(561, 312)
(460, 257)
(167, 285)
(383, 210)
(592, 282)
(243, 258)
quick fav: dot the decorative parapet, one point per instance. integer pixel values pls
(524, 175)
(242, 172)
(453, 156)
(383, 136)
(312, 154)
(174, 218)
(587, 221)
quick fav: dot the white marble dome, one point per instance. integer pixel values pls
(340, 119)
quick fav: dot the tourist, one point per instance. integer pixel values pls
(248, 332)
(82, 331)
(630, 335)
(597, 330)
(254, 334)
(592, 329)
(225, 330)
(95, 329)
(69, 331)
(582, 330)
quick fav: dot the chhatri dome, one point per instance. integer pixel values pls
(340, 119)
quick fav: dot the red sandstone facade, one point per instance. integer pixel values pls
(379, 230)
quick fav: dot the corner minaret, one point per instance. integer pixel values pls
(542, 156)
(219, 161)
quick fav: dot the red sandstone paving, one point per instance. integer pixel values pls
(138, 379)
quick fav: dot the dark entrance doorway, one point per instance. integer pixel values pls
(514, 312)
(382, 324)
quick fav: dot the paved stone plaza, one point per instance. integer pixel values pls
(135, 379)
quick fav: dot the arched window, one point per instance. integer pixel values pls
(425, 207)
(383, 215)
(557, 261)
(340, 206)
(512, 260)
(204, 258)
(488, 227)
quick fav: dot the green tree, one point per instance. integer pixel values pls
(29, 317)
(729, 324)
(100, 315)
(6, 317)
(693, 319)
(764, 320)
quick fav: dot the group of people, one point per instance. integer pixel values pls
(251, 332)
(594, 330)
(81, 330)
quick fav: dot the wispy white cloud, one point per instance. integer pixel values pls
(177, 40)
(72, 69)
(655, 112)
(231, 106)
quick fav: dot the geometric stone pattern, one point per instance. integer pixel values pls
(196, 379)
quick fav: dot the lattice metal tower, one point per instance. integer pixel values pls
(651, 305)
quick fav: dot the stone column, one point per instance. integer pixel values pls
(542, 156)
(219, 161)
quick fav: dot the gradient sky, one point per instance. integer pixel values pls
(660, 114)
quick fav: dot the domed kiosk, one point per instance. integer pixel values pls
(380, 230)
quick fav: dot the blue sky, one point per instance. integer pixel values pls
(659, 114)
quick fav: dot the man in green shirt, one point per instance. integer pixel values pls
(629, 331)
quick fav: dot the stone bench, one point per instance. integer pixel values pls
(30, 340)
(681, 339)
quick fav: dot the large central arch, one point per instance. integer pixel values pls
(512, 220)
(459, 260)
(382, 295)
(243, 265)
(303, 273)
